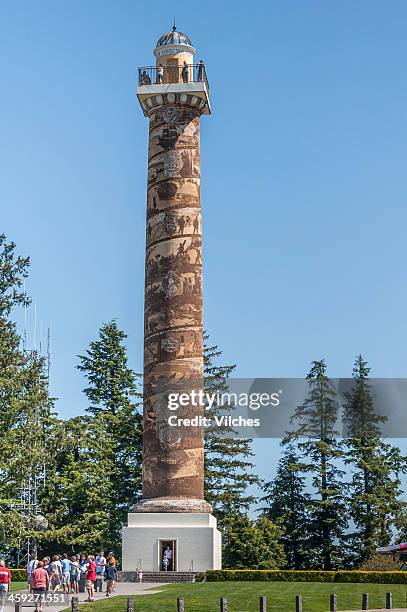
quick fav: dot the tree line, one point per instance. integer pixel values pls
(329, 505)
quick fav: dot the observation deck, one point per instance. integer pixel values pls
(188, 79)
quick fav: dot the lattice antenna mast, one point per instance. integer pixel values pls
(28, 506)
(35, 327)
(25, 321)
(48, 352)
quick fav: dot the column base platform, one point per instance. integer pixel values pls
(173, 504)
(193, 539)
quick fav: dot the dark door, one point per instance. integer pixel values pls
(168, 555)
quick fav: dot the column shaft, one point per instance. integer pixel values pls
(173, 462)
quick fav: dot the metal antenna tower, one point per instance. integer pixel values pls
(25, 322)
(48, 351)
(28, 505)
(30, 512)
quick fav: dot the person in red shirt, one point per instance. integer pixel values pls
(91, 578)
(5, 579)
(39, 584)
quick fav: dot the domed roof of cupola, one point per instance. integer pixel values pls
(174, 38)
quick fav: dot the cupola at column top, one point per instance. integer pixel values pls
(173, 44)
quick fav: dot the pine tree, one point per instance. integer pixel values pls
(287, 504)
(79, 497)
(320, 452)
(228, 470)
(401, 525)
(23, 447)
(25, 405)
(374, 495)
(114, 404)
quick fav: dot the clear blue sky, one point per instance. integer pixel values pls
(303, 168)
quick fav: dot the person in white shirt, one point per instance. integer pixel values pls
(55, 572)
(160, 74)
(168, 555)
(32, 565)
(100, 570)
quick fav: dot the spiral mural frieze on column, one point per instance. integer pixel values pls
(173, 349)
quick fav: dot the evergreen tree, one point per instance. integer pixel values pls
(79, 498)
(252, 545)
(287, 504)
(359, 416)
(401, 525)
(320, 452)
(228, 469)
(375, 496)
(114, 404)
(25, 406)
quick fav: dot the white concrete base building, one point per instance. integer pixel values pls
(193, 539)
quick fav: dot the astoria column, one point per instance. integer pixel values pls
(173, 94)
(172, 523)
(173, 334)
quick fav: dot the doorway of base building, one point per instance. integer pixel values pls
(167, 550)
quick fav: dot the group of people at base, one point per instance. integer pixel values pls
(62, 572)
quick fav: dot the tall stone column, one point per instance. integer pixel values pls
(172, 517)
(173, 348)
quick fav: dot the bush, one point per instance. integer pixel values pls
(200, 577)
(380, 563)
(255, 544)
(306, 576)
(19, 575)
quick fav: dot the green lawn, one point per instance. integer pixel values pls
(244, 597)
(18, 586)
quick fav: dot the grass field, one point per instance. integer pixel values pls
(18, 586)
(244, 597)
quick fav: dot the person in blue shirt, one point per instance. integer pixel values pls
(75, 570)
(66, 572)
(111, 574)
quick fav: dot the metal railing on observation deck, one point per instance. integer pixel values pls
(190, 73)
